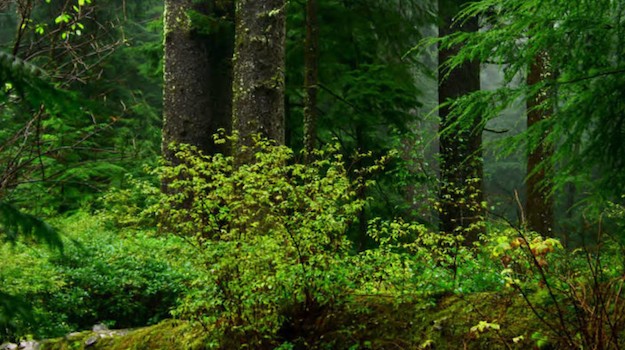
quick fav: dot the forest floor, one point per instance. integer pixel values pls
(478, 321)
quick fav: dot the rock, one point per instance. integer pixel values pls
(29, 345)
(73, 335)
(91, 340)
(100, 327)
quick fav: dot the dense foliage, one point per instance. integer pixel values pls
(122, 279)
(339, 248)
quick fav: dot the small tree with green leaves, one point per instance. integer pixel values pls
(267, 232)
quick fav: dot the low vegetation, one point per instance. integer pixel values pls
(272, 268)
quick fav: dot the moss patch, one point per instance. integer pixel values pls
(169, 334)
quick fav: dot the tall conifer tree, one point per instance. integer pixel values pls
(197, 73)
(259, 64)
(539, 203)
(311, 58)
(461, 167)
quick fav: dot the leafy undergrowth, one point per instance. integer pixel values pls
(119, 278)
(257, 257)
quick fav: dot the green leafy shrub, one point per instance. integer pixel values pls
(277, 266)
(122, 279)
(127, 206)
(271, 235)
(28, 279)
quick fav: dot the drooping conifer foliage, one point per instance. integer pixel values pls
(583, 46)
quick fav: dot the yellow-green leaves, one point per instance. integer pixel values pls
(483, 327)
(62, 18)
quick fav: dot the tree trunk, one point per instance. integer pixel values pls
(197, 90)
(311, 57)
(259, 64)
(461, 167)
(539, 203)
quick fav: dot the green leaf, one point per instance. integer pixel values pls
(64, 17)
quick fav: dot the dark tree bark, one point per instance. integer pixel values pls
(311, 59)
(259, 64)
(539, 204)
(197, 90)
(461, 167)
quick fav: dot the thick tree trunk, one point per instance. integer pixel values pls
(197, 90)
(461, 167)
(259, 64)
(539, 203)
(311, 59)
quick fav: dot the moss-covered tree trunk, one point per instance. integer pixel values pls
(461, 167)
(197, 90)
(259, 64)
(311, 58)
(539, 203)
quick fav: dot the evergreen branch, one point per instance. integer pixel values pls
(14, 223)
(496, 131)
(589, 77)
(11, 307)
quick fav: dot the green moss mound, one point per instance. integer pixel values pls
(169, 334)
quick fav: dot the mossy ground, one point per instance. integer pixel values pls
(169, 334)
(375, 323)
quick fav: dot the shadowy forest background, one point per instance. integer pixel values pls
(337, 174)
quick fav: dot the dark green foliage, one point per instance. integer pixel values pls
(14, 224)
(15, 69)
(121, 279)
(72, 144)
(219, 24)
(13, 308)
(367, 95)
(26, 82)
(120, 285)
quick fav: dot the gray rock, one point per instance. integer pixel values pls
(91, 340)
(100, 327)
(29, 345)
(73, 335)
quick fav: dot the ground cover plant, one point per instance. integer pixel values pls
(121, 279)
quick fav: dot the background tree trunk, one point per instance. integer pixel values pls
(259, 64)
(311, 57)
(539, 204)
(197, 90)
(461, 167)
